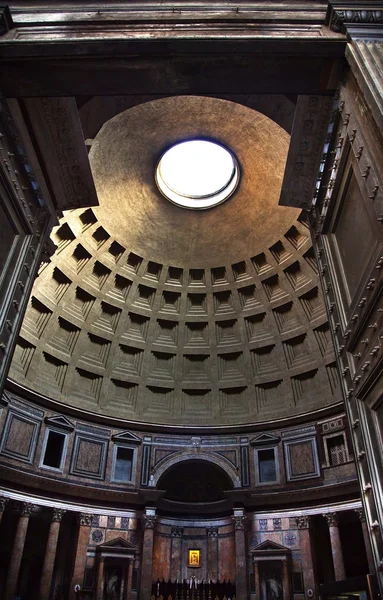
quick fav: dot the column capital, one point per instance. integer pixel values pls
(239, 521)
(26, 509)
(3, 503)
(331, 518)
(57, 515)
(177, 532)
(212, 532)
(361, 514)
(84, 519)
(303, 522)
(148, 521)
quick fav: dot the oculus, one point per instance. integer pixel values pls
(197, 174)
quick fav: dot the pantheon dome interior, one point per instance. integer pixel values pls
(191, 328)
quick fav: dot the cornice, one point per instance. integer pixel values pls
(364, 15)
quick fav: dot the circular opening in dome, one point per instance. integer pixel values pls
(197, 174)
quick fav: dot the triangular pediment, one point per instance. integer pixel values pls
(60, 421)
(265, 438)
(117, 544)
(268, 546)
(126, 436)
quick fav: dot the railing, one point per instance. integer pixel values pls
(192, 589)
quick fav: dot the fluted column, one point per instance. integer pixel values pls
(336, 548)
(17, 551)
(212, 553)
(148, 523)
(50, 554)
(100, 578)
(85, 521)
(303, 524)
(3, 504)
(239, 519)
(366, 537)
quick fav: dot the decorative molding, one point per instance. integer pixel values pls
(341, 18)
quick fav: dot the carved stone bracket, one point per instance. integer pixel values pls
(303, 522)
(148, 521)
(212, 532)
(177, 532)
(331, 518)
(58, 514)
(85, 519)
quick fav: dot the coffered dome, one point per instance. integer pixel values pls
(157, 314)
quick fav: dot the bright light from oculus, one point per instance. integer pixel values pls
(197, 174)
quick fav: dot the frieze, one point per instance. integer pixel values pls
(177, 532)
(25, 408)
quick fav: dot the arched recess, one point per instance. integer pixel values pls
(182, 457)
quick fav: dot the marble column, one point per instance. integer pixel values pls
(239, 519)
(17, 551)
(212, 553)
(366, 537)
(100, 578)
(148, 523)
(3, 504)
(336, 548)
(50, 554)
(85, 521)
(129, 579)
(303, 524)
(176, 553)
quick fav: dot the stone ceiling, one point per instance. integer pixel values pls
(155, 314)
